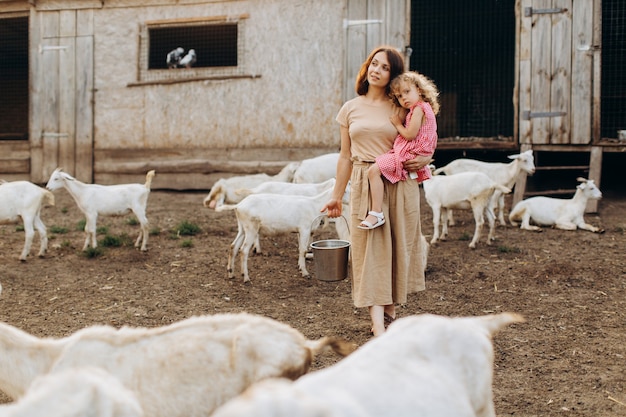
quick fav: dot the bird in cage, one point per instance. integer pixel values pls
(188, 60)
(174, 56)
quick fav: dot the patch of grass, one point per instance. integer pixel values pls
(60, 230)
(508, 249)
(111, 241)
(154, 231)
(19, 228)
(93, 252)
(80, 226)
(132, 221)
(186, 228)
(64, 210)
(187, 243)
(465, 236)
(66, 244)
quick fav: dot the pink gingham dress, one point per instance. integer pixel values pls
(425, 142)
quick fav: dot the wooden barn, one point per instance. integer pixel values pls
(86, 85)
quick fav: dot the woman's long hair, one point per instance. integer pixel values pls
(396, 67)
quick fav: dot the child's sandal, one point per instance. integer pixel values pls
(367, 225)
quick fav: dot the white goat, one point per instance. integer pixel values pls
(566, 214)
(223, 190)
(106, 200)
(23, 199)
(462, 191)
(185, 369)
(317, 169)
(273, 214)
(503, 174)
(287, 188)
(75, 392)
(424, 365)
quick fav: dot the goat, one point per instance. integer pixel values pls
(565, 214)
(75, 392)
(503, 174)
(185, 369)
(223, 190)
(423, 365)
(462, 191)
(275, 214)
(287, 188)
(94, 200)
(23, 199)
(317, 169)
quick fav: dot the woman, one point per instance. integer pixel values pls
(386, 262)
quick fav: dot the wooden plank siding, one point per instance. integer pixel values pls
(582, 65)
(541, 71)
(84, 119)
(560, 87)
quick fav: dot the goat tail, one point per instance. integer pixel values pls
(438, 171)
(338, 345)
(48, 198)
(494, 322)
(149, 177)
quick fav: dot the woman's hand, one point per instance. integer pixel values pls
(332, 208)
(395, 120)
(418, 162)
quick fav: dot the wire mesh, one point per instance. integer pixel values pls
(14, 78)
(468, 49)
(613, 95)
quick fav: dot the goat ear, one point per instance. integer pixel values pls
(581, 179)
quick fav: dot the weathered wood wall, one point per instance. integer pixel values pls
(94, 115)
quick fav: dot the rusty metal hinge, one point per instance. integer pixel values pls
(529, 11)
(527, 114)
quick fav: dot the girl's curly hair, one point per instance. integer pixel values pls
(425, 85)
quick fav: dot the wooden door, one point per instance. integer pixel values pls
(61, 94)
(555, 71)
(368, 24)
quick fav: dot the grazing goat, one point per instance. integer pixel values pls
(462, 191)
(75, 392)
(23, 199)
(424, 365)
(317, 169)
(185, 369)
(224, 190)
(273, 214)
(106, 200)
(503, 174)
(566, 214)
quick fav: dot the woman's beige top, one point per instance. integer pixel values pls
(386, 262)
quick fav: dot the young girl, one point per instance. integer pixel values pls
(418, 136)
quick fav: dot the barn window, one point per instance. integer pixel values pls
(217, 43)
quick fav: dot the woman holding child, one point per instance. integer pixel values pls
(387, 262)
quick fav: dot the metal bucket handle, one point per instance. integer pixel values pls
(325, 215)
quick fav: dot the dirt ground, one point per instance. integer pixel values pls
(569, 358)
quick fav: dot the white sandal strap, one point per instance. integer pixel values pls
(378, 215)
